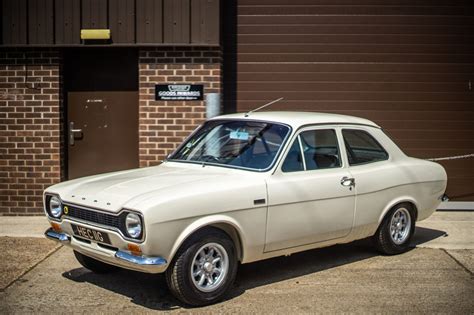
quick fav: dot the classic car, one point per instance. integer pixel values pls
(242, 188)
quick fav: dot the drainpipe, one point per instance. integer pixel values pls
(213, 105)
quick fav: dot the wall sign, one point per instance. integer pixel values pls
(179, 92)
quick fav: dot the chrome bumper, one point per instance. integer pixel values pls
(122, 258)
(59, 237)
(444, 198)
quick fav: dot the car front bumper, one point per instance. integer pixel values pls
(113, 257)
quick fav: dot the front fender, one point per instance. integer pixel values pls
(213, 220)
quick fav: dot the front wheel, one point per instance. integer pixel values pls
(394, 233)
(204, 268)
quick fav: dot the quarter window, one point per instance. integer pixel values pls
(293, 161)
(362, 148)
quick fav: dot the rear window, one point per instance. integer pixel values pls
(362, 148)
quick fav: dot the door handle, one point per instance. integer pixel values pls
(347, 181)
(74, 133)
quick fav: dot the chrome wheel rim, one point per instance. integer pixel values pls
(209, 267)
(400, 226)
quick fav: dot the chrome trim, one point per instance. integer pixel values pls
(347, 182)
(129, 259)
(270, 167)
(389, 156)
(105, 227)
(109, 228)
(444, 198)
(140, 260)
(56, 236)
(45, 206)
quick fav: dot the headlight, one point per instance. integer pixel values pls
(133, 224)
(55, 207)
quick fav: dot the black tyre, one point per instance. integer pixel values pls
(94, 265)
(396, 230)
(204, 268)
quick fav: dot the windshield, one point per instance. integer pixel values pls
(234, 143)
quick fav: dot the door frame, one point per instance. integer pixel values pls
(67, 80)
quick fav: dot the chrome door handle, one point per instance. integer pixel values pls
(73, 133)
(347, 181)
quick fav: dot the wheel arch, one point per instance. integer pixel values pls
(396, 202)
(227, 224)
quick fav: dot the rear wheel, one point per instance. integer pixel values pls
(94, 265)
(204, 268)
(394, 233)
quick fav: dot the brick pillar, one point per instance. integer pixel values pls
(164, 124)
(30, 117)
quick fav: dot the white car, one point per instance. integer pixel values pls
(242, 188)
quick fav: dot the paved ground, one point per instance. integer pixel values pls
(23, 226)
(437, 276)
(16, 262)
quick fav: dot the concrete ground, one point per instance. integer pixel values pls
(435, 276)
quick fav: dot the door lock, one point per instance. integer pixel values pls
(74, 133)
(348, 182)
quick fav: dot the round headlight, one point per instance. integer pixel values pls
(133, 225)
(55, 207)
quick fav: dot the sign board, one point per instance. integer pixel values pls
(179, 92)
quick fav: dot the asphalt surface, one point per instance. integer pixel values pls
(434, 277)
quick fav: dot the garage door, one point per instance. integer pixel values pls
(408, 65)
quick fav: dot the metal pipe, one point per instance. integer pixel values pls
(213, 105)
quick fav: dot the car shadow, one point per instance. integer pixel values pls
(423, 235)
(150, 290)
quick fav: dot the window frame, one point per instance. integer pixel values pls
(342, 154)
(373, 138)
(288, 151)
(275, 161)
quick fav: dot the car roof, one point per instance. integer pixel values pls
(298, 119)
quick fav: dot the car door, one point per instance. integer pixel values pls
(310, 196)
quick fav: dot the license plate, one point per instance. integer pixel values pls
(90, 234)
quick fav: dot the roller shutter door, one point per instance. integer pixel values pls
(408, 65)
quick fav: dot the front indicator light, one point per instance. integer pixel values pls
(55, 207)
(133, 225)
(134, 249)
(56, 227)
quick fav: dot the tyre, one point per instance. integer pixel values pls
(394, 233)
(94, 265)
(204, 268)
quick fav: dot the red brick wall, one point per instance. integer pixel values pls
(29, 128)
(164, 124)
(31, 115)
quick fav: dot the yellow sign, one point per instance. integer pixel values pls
(95, 34)
(65, 210)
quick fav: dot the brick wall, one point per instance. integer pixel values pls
(30, 128)
(164, 124)
(31, 115)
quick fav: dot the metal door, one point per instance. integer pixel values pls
(311, 205)
(102, 132)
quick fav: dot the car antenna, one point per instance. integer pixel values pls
(263, 106)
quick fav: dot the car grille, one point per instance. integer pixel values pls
(94, 217)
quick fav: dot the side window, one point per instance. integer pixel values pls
(320, 149)
(362, 148)
(293, 161)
